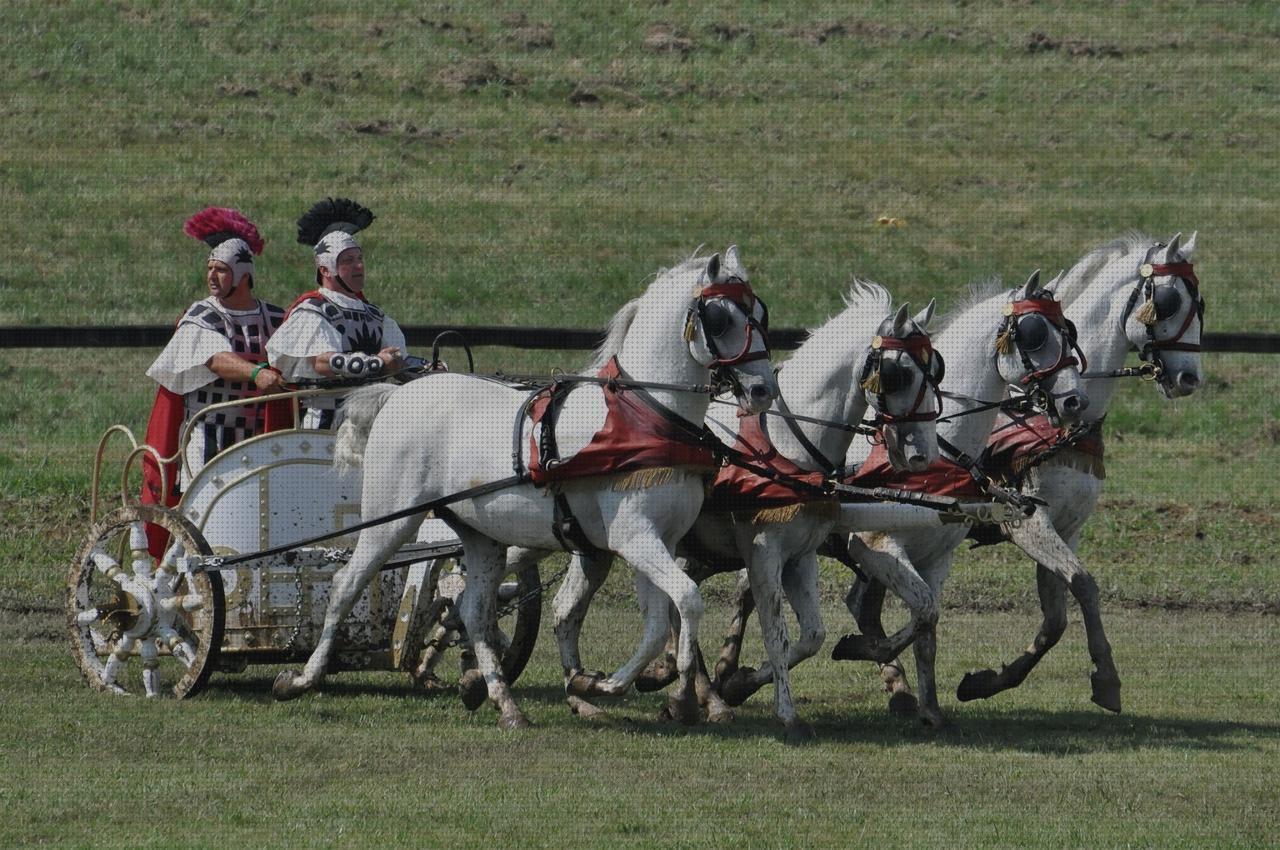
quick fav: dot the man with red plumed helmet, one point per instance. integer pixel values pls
(217, 354)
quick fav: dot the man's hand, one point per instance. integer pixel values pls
(269, 381)
(391, 358)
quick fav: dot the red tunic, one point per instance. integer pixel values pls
(634, 436)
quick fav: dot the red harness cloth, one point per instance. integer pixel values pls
(943, 477)
(738, 489)
(1015, 443)
(634, 436)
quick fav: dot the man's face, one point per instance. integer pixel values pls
(351, 268)
(219, 277)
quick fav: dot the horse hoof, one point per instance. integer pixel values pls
(431, 683)
(978, 684)
(515, 720)
(724, 671)
(472, 690)
(739, 687)
(903, 704)
(1106, 692)
(285, 687)
(683, 709)
(853, 647)
(656, 677)
(720, 714)
(933, 719)
(799, 733)
(586, 710)
(584, 684)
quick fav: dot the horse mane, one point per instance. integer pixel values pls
(680, 275)
(866, 305)
(979, 291)
(1085, 272)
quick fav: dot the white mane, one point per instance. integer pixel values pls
(681, 276)
(1087, 269)
(979, 291)
(866, 305)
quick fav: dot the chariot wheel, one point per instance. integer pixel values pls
(520, 616)
(138, 627)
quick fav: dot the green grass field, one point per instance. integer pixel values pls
(533, 164)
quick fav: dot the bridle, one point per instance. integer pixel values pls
(713, 314)
(879, 376)
(1011, 336)
(1150, 312)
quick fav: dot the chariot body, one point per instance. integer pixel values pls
(246, 578)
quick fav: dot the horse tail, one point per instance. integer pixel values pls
(359, 410)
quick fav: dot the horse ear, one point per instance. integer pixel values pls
(1189, 247)
(900, 321)
(1052, 286)
(733, 264)
(925, 316)
(1172, 250)
(1029, 288)
(713, 268)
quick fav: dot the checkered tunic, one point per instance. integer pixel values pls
(206, 329)
(330, 321)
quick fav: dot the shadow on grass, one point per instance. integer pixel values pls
(1065, 732)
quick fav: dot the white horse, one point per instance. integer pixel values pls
(827, 379)
(450, 432)
(1104, 294)
(990, 347)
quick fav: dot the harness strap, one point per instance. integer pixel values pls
(413, 510)
(815, 454)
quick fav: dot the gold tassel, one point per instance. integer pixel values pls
(823, 510)
(786, 513)
(1004, 342)
(643, 479)
(872, 383)
(1147, 313)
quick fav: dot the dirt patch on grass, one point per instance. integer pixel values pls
(665, 38)
(1039, 42)
(475, 74)
(527, 34)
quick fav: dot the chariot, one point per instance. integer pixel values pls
(142, 625)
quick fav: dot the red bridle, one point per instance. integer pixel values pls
(1051, 309)
(739, 293)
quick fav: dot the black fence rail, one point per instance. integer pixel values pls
(419, 336)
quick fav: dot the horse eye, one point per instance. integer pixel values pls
(1033, 333)
(894, 377)
(716, 318)
(1168, 301)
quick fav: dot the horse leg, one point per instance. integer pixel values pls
(1039, 539)
(655, 608)
(983, 684)
(653, 560)
(664, 670)
(899, 576)
(485, 565)
(585, 575)
(731, 651)
(765, 571)
(374, 546)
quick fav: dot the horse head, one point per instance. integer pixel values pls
(727, 330)
(1036, 351)
(1165, 316)
(900, 379)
